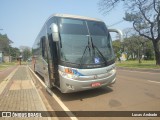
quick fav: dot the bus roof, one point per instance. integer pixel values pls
(75, 16)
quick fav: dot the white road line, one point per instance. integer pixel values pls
(37, 77)
(70, 114)
(138, 71)
(42, 103)
(153, 81)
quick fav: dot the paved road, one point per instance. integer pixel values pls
(133, 91)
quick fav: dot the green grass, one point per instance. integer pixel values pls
(134, 64)
(4, 66)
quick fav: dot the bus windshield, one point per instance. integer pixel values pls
(84, 42)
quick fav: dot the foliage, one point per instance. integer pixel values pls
(6, 48)
(5, 44)
(145, 16)
(25, 52)
(117, 48)
(14, 52)
(135, 47)
(134, 64)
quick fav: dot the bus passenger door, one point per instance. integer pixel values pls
(45, 62)
(53, 54)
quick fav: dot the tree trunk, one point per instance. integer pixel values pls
(157, 52)
(139, 56)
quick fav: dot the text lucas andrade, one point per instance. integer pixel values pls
(144, 114)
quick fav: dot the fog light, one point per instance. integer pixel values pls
(70, 86)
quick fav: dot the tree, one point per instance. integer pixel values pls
(26, 52)
(5, 44)
(135, 46)
(14, 52)
(145, 16)
(117, 49)
(7, 49)
(106, 6)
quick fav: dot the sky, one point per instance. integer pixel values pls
(22, 20)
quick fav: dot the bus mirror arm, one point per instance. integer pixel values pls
(55, 33)
(117, 31)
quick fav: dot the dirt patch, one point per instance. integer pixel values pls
(6, 72)
(19, 84)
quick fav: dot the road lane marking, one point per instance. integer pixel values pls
(64, 107)
(139, 80)
(153, 81)
(138, 71)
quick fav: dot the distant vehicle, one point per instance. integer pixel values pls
(74, 53)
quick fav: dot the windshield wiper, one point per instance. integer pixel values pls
(87, 46)
(93, 46)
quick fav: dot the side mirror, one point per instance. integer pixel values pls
(55, 34)
(119, 32)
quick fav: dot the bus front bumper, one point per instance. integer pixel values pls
(68, 85)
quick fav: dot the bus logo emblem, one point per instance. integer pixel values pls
(95, 77)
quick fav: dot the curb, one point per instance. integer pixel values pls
(70, 114)
(33, 74)
(139, 69)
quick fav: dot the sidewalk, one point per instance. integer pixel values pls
(18, 93)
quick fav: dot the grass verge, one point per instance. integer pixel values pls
(135, 64)
(4, 66)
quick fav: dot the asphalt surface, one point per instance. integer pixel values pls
(133, 91)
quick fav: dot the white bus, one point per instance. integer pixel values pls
(74, 53)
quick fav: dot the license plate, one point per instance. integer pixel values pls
(96, 84)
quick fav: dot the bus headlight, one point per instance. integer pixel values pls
(69, 73)
(111, 70)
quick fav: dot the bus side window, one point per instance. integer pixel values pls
(43, 48)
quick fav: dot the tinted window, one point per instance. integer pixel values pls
(73, 47)
(97, 28)
(73, 26)
(84, 42)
